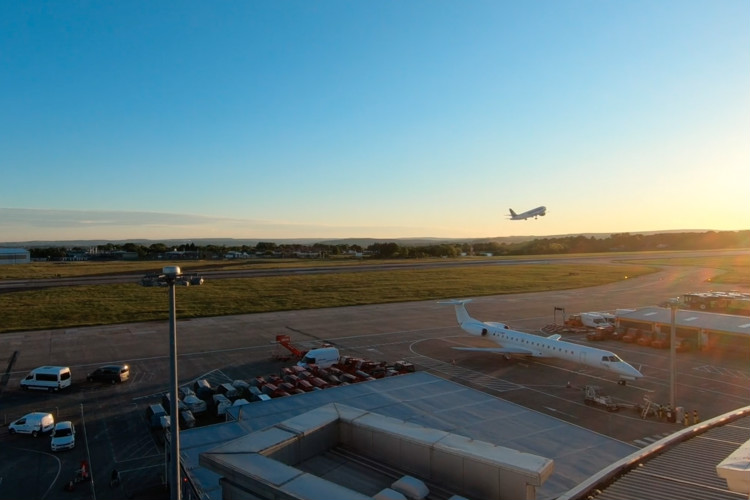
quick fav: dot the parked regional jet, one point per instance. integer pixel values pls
(513, 343)
(534, 212)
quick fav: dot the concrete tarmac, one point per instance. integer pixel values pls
(112, 431)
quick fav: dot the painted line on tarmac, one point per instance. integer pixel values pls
(88, 454)
(59, 468)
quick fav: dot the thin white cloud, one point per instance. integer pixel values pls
(24, 224)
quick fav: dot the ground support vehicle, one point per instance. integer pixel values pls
(598, 333)
(593, 396)
(573, 321)
(597, 320)
(631, 335)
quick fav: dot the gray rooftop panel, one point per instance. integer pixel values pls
(685, 469)
(431, 401)
(739, 325)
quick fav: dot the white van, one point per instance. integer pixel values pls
(33, 423)
(322, 357)
(596, 319)
(47, 378)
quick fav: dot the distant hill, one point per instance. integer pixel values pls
(363, 242)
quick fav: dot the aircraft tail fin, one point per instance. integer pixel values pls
(512, 213)
(462, 315)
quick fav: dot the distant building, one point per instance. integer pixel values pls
(700, 330)
(236, 255)
(14, 256)
(182, 255)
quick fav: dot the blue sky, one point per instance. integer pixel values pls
(385, 119)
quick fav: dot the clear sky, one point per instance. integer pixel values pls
(384, 119)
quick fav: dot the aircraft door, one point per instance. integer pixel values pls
(582, 357)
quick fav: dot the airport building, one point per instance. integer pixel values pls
(14, 256)
(361, 440)
(402, 436)
(706, 460)
(702, 330)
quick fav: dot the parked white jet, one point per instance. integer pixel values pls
(534, 212)
(513, 343)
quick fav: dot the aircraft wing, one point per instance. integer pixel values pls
(497, 350)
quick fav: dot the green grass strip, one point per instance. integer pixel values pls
(66, 307)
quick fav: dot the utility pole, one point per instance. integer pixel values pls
(672, 353)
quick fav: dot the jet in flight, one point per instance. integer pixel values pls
(514, 344)
(534, 212)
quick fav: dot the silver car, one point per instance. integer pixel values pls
(63, 436)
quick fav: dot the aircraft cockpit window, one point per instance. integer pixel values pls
(611, 358)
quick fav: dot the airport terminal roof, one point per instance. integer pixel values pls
(681, 466)
(687, 318)
(427, 400)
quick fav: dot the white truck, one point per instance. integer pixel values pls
(596, 319)
(322, 357)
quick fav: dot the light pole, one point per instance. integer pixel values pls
(169, 276)
(672, 352)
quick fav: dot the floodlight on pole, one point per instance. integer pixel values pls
(672, 352)
(170, 276)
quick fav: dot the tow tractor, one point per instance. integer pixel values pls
(593, 396)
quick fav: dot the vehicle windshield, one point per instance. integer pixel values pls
(65, 431)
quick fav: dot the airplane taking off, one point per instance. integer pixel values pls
(534, 212)
(514, 343)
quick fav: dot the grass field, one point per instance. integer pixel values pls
(121, 303)
(107, 304)
(736, 267)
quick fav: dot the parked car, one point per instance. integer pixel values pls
(185, 391)
(187, 420)
(33, 423)
(222, 403)
(153, 279)
(195, 404)
(63, 436)
(166, 402)
(228, 390)
(157, 417)
(203, 389)
(242, 387)
(110, 373)
(195, 279)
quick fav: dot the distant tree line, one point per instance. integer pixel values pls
(619, 242)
